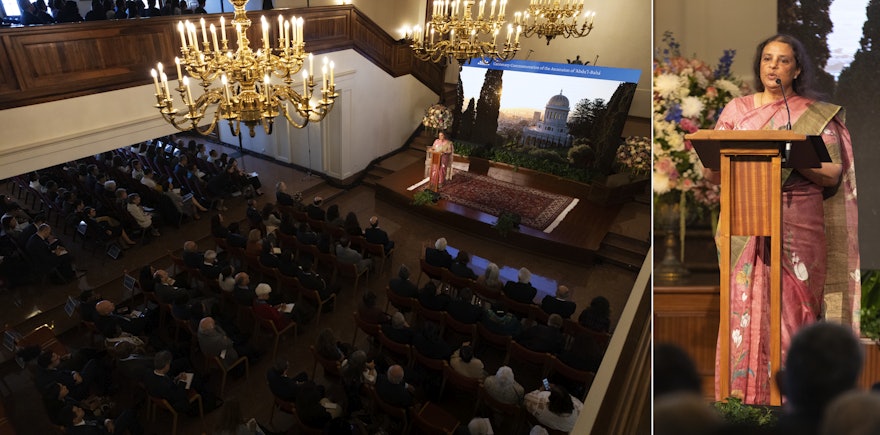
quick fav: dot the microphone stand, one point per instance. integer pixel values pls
(787, 151)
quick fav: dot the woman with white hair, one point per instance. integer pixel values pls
(490, 278)
(503, 387)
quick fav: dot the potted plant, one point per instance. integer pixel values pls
(506, 222)
(733, 410)
(424, 197)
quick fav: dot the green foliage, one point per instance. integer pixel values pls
(584, 117)
(734, 411)
(870, 312)
(810, 22)
(581, 156)
(506, 222)
(489, 105)
(424, 197)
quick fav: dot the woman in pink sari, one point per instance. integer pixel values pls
(820, 260)
(441, 173)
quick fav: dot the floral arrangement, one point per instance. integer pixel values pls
(635, 155)
(689, 95)
(437, 117)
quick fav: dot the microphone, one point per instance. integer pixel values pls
(788, 124)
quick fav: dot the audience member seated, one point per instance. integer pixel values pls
(399, 331)
(377, 235)
(391, 388)
(254, 242)
(213, 341)
(429, 343)
(106, 225)
(312, 408)
(48, 255)
(555, 409)
(231, 420)
(674, 371)
(226, 279)
(544, 338)
(166, 288)
(586, 353)
(311, 280)
(464, 362)
(305, 235)
(851, 413)
(287, 225)
(273, 313)
(346, 255)
(287, 263)
(596, 317)
(55, 398)
(433, 297)
(242, 292)
(369, 312)
(268, 258)
(235, 239)
(463, 309)
(522, 290)
(210, 266)
(280, 384)
(333, 219)
(503, 387)
(559, 304)
(281, 195)
(255, 220)
(402, 286)
(74, 418)
(80, 383)
(686, 413)
(161, 385)
(315, 211)
(501, 322)
(111, 325)
(824, 361)
(191, 255)
(271, 217)
(329, 347)
(144, 220)
(460, 268)
(356, 371)
(438, 256)
(352, 226)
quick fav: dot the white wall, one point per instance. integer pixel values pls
(707, 28)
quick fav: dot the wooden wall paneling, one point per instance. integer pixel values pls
(8, 79)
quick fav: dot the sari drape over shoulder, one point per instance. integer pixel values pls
(439, 174)
(820, 253)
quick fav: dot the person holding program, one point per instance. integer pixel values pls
(819, 212)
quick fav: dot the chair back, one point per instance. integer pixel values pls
(288, 285)
(433, 272)
(399, 301)
(583, 377)
(303, 428)
(467, 329)
(431, 419)
(493, 339)
(427, 362)
(572, 328)
(486, 293)
(286, 241)
(331, 367)
(521, 310)
(505, 409)
(397, 349)
(456, 281)
(392, 411)
(460, 381)
(371, 329)
(518, 352)
(438, 317)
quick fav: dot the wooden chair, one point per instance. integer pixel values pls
(500, 408)
(468, 330)
(327, 264)
(155, 403)
(519, 309)
(486, 293)
(431, 419)
(459, 381)
(286, 241)
(376, 250)
(269, 326)
(218, 363)
(304, 429)
(331, 367)
(492, 339)
(288, 285)
(437, 317)
(571, 328)
(395, 412)
(371, 329)
(252, 261)
(455, 281)
(399, 301)
(539, 315)
(315, 298)
(397, 349)
(282, 405)
(179, 265)
(518, 352)
(350, 271)
(428, 362)
(581, 377)
(433, 272)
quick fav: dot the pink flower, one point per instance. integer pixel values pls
(689, 125)
(711, 92)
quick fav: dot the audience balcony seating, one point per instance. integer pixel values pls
(501, 409)
(571, 328)
(492, 339)
(468, 330)
(521, 310)
(155, 403)
(399, 302)
(350, 271)
(371, 329)
(402, 353)
(313, 297)
(436, 317)
(429, 363)
(455, 281)
(433, 272)
(520, 353)
(288, 286)
(377, 251)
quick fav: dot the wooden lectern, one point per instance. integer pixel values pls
(751, 164)
(434, 158)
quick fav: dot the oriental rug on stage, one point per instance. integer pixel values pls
(538, 209)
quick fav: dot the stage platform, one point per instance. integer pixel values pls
(577, 238)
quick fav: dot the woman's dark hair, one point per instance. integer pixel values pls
(351, 222)
(559, 401)
(466, 353)
(462, 257)
(268, 208)
(803, 84)
(332, 212)
(600, 306)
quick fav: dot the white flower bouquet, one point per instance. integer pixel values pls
(437, 117)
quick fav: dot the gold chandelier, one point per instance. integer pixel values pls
(246, 93)
(459, 30)
(552, 18)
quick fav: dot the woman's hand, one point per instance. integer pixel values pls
(827, 175)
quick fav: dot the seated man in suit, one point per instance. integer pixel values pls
(437, 256)
(305, 235)
(369, 312)
(401, 285)
(345, 254)
(430, 344)
(280, 384)
(254, 218)
(75, 420)
(311, 280)
(460, 268)
(463, 309)
(46, 253)
(522, 290)
(392, 389)
(315, 211)
(167, 289)
(399, 332)
(281, 195)
(559, 304)
(242, 292)
(433, 297)
(191, 255)
(211, 267)
(214, 342)
(111, 325)
(544, 338)
(159, 383)
(80, 383)
(377, 235)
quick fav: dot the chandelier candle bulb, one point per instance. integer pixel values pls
(311, 65)
(280, 31)
(287, 34)
(177, 63)
(155, 80)
(518, 31)
(189, 96)
(165, 84)
(299, 30)
(266, 86)
(214, 38)
(324, 75)
(332, 81)
(204, 34)
(223, 30)
(482, 8)
(193, 38)
(225, 83)
(266, 36)
(492, 9)
(305, 85)
(182, 36)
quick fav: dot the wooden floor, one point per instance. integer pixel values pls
(578, 236)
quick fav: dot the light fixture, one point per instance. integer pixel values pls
(246, 93)
(552, 18)
(459, 30)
